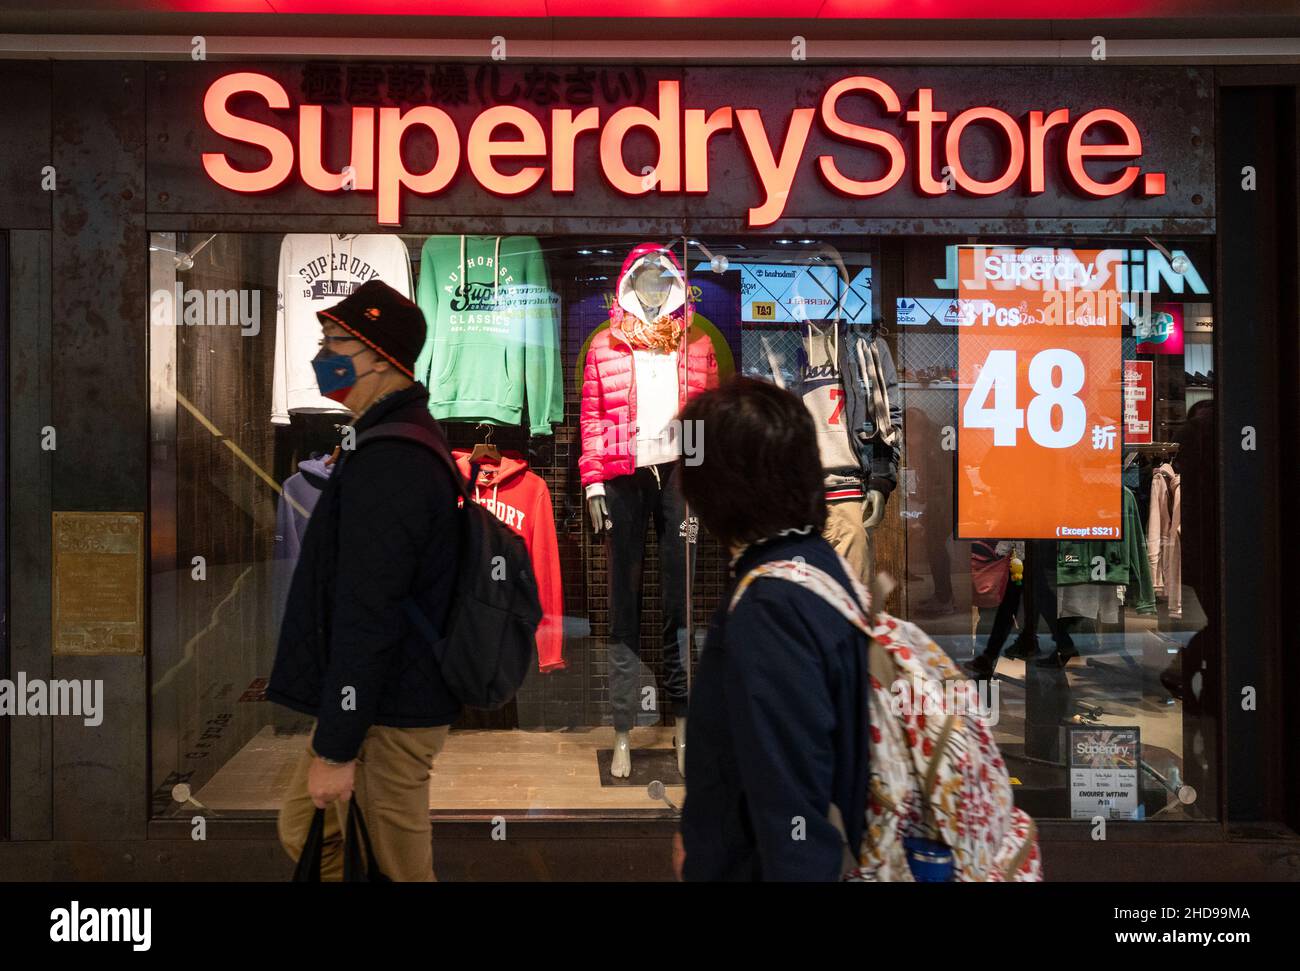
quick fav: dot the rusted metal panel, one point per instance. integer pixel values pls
(25, 149)
(99, 405)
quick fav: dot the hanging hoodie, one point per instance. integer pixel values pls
(639, 373)
(520, 499)
(297, 499)
(494, 339)
(1164, 537)
(316, 271)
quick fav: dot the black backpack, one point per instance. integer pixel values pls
(490, 642)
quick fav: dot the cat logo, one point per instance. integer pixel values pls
(763, 310)
(372, 313)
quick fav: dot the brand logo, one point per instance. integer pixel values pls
(538, 148)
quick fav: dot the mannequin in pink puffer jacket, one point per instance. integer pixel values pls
(609, 412)
(639, 373)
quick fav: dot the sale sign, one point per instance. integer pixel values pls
(1040, 406)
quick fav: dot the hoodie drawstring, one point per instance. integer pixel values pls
(496, 271)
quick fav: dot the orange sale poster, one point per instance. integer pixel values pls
(1040, 408)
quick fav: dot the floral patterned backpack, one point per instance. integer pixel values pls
(935, 769)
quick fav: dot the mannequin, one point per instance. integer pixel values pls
(847, 380)
(637, 375)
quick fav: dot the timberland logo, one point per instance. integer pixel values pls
(78, 699)
(181, 307)
(75, 924)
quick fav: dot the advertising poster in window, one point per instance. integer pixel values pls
(1040, 400)
(1139, 402)
(1104, 773)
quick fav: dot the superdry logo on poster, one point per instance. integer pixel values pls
(1040, 407)
(511, 151)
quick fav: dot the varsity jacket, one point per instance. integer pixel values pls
(608, 421)
(872, 415)
(519, 498)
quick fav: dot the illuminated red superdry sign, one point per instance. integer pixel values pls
(543, 148)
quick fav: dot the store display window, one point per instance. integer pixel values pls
(557, 367)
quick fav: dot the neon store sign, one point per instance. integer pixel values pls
(539, 150)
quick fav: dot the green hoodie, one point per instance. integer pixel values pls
(493, 338)
(1125, 561)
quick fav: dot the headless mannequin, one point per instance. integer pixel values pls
(873, 500)
(651, 287)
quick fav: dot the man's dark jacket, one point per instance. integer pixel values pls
(386, 527)
(778, 729)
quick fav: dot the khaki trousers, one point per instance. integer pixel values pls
(845, 532)
(392, 788)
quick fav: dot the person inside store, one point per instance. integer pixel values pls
(779, 747)
(384, 532)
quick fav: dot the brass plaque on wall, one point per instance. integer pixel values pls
(98, 580)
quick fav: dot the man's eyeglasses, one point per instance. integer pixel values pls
(333, 339)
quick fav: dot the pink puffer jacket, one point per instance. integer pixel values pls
(608, 417)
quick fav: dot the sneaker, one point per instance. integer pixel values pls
(1059, 658)
(1021, 650)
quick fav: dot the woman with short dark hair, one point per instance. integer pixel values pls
(778, 748)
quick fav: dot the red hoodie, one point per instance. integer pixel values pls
(520, 499)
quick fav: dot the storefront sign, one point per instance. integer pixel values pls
(98, 581)
(1039, 407)
(508, 150)
(1104, 772)
(1139, 402)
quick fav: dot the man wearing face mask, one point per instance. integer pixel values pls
(384, 531)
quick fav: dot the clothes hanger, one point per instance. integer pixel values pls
(334, 455)
(485, 449)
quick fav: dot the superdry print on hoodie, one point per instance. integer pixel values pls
(520, 499)
(317, 270)
(493, 340)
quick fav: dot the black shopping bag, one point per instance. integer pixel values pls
(359, 864)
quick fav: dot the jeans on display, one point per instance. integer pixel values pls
(652, 491)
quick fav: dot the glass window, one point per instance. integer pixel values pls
(242, 444)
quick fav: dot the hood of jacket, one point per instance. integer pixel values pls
(316, 470)
(492, 475)
(677, 305)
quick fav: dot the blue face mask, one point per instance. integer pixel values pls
(336, 375)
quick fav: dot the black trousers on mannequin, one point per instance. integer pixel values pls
(652, 491)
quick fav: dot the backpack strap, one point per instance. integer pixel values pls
(816, 581)
(411, 432)
(434, 442)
